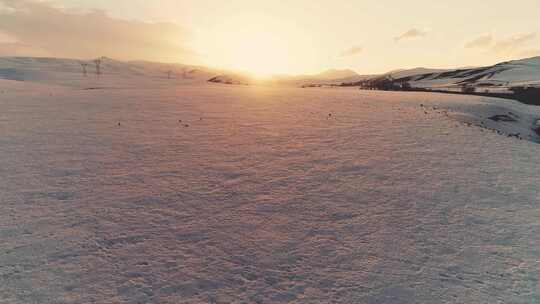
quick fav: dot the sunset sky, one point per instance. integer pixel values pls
(266, 37)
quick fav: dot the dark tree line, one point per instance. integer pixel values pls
(382, 83)
(526, 94)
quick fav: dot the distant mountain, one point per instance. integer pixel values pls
(329, 77)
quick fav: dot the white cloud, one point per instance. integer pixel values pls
(411, 34)
(516, 45)
(480, 42)
(513, 44)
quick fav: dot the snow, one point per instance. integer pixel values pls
(208, 193)
(524, 72)
(69, 72)
(412, 72)
(61, 71)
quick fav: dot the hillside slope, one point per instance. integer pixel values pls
(498, 77)
(70, 72)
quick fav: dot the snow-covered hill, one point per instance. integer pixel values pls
(495, 79)
(119, 73)
(411, 72)
(112, 72)
(498, 77)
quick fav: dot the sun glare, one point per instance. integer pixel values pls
(261, 54)
(260, 48)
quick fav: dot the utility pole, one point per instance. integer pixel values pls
(84, 65)
(98, 66)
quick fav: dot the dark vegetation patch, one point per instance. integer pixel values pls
(471, 72)
(11, 74)
(482, 74)
(228, 80)
(474, 78)
(450, 74)
(495, 73)
(503, 117)
(537, 130)
(416, 77)
(425, 76)
(528, 95)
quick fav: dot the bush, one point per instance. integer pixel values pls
(468, 89)
(525, 94)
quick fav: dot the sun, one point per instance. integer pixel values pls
(258, 48)
(261, 54)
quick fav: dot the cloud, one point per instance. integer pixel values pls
(512, 44)
(356, 50)
(480, 42)
(515, 45)
(39, 29)
(411, 34)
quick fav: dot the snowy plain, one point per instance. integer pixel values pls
(206, 193)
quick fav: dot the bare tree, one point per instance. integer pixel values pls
(169, 73)
(85, 72)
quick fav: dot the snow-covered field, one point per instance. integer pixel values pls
(205, 193)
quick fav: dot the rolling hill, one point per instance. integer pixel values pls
(497, 78)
